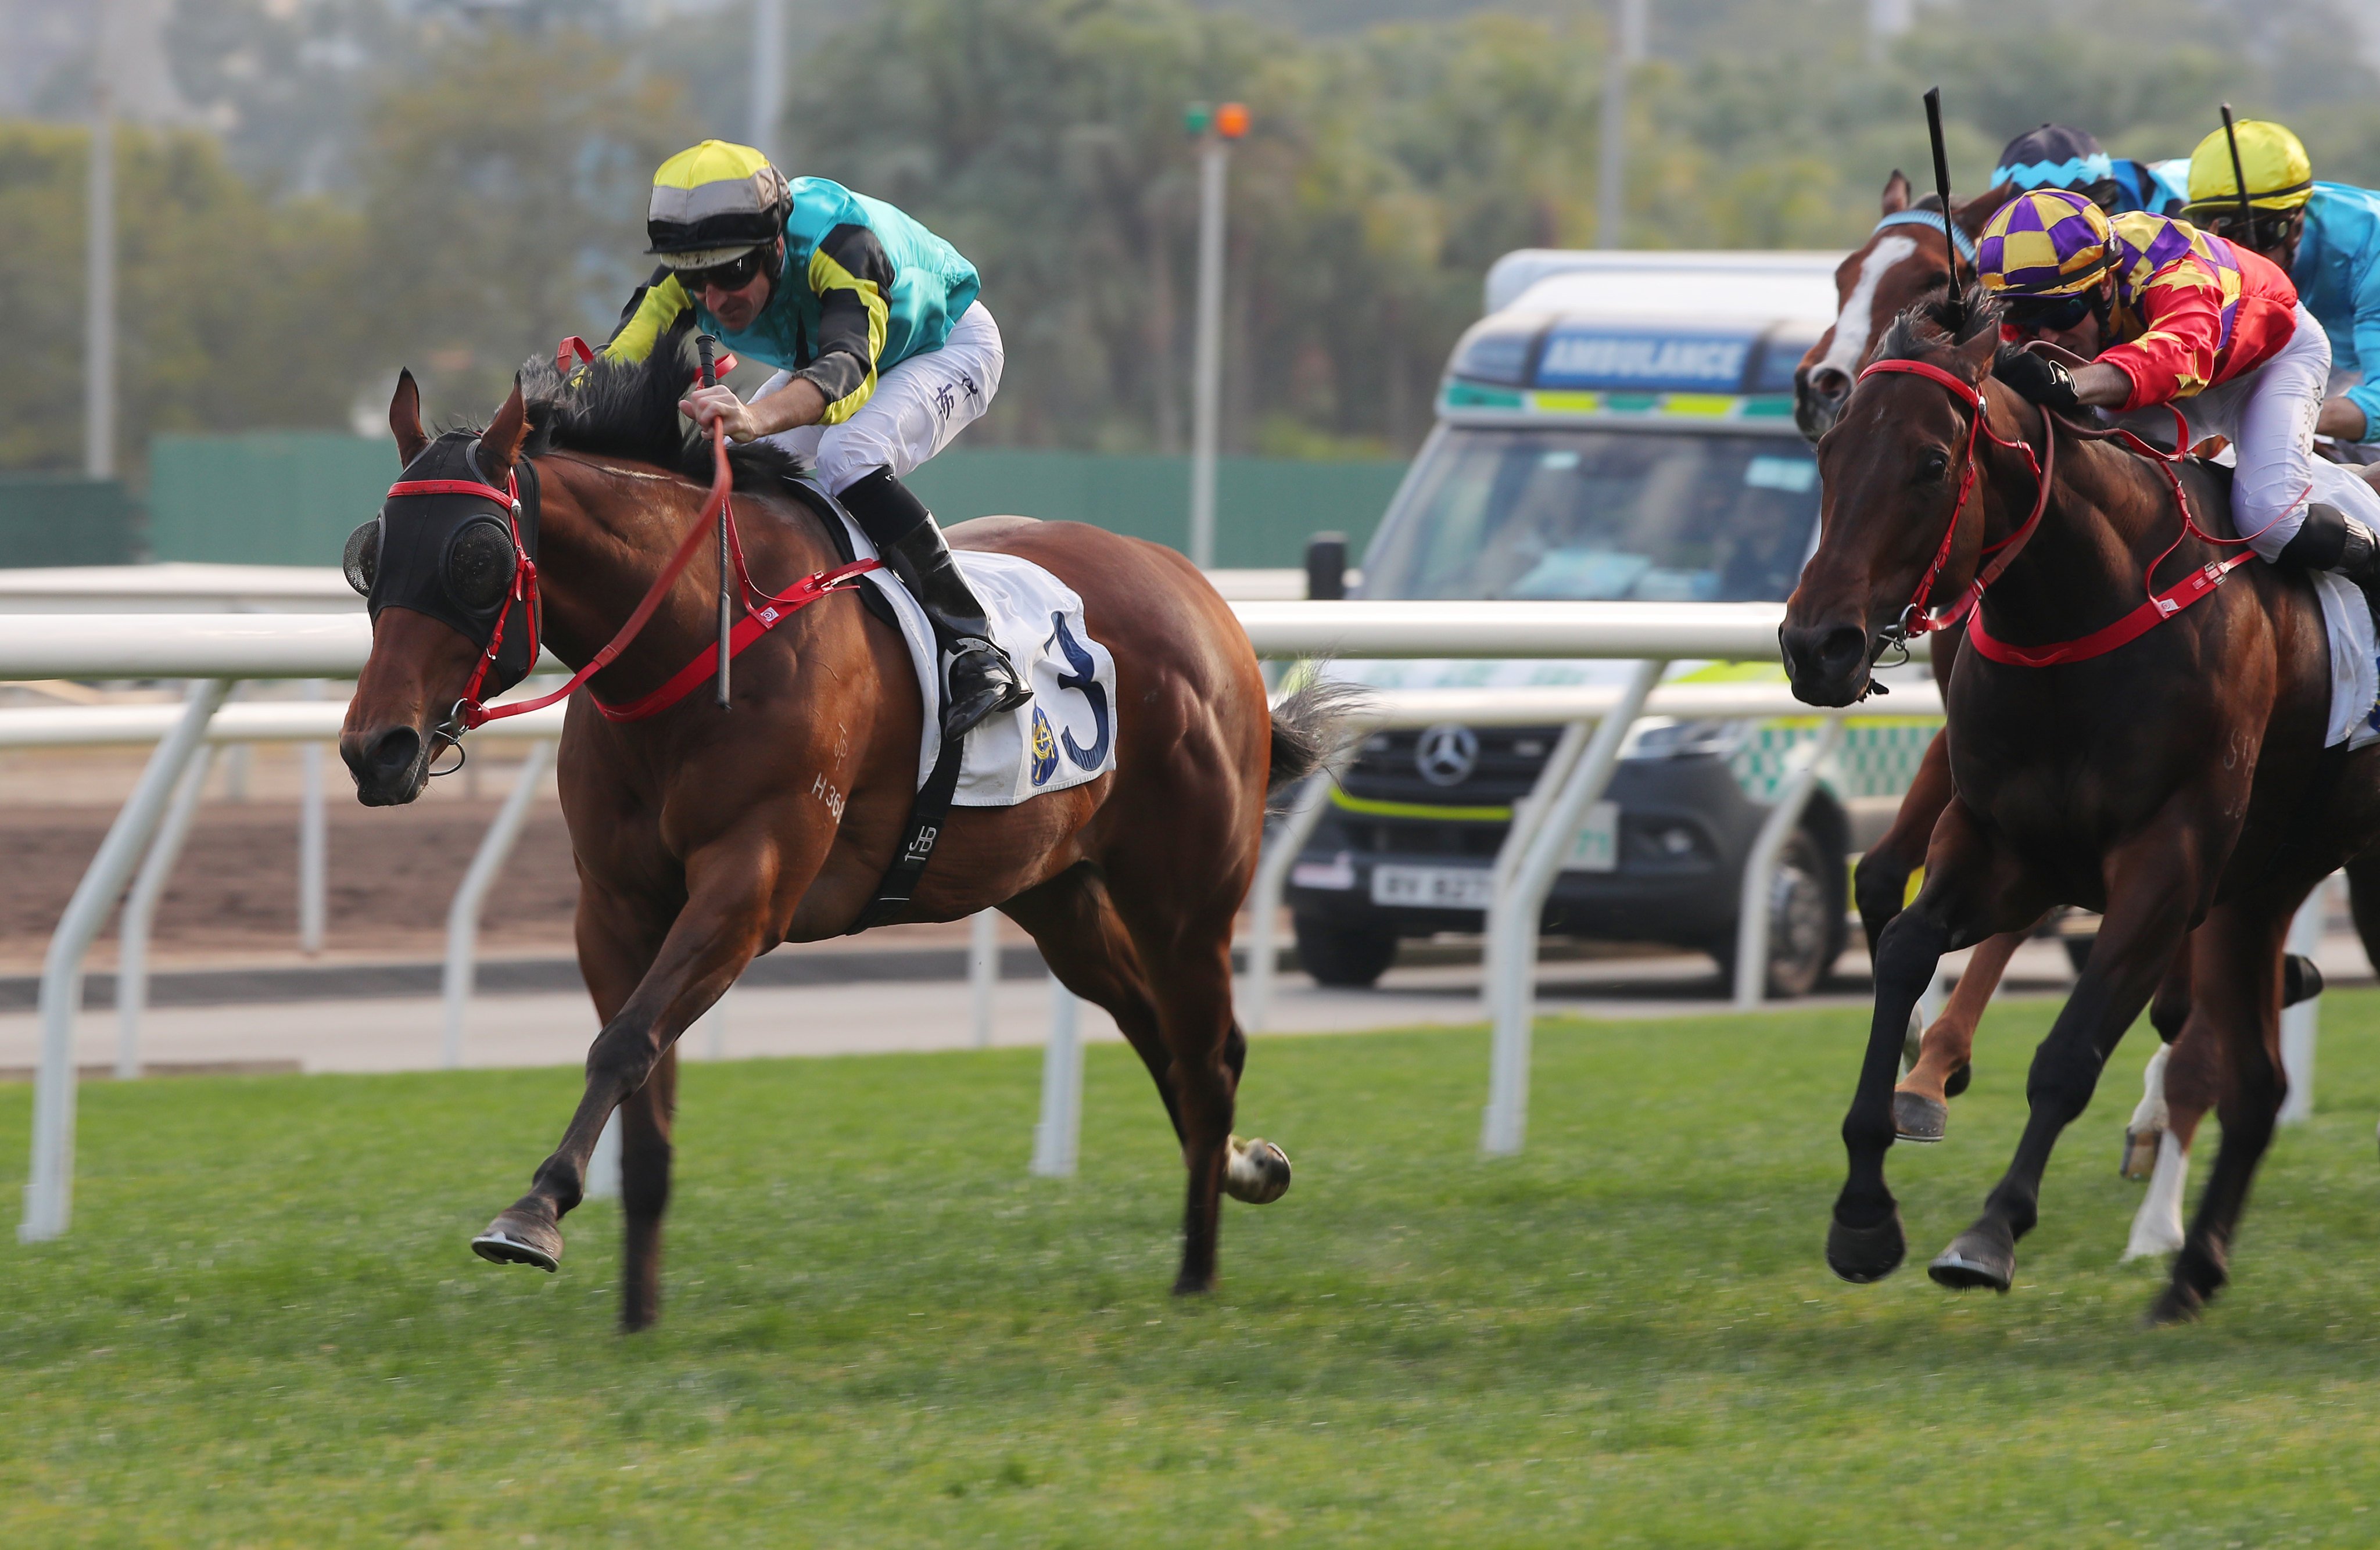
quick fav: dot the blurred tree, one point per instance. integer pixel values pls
(234, 311)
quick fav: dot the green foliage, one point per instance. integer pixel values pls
(265, 1328)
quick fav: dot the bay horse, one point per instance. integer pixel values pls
(703, 839)
(2176, 784)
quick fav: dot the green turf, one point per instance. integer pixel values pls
(266, 1327)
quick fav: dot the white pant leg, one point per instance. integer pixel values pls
(2268, 415)
(917, 407)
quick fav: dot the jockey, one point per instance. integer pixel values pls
(2057, 157)
(2325, 234)
(883, 355)
(2169, 315)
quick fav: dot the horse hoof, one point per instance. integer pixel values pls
(1975, 1258)
(1258, 1173)
(1918, 1118)
(514, 1238)
(2140, 1153)
(2300, 979)
(1861, 1255)
(1959, 1079)
(2176, 1305)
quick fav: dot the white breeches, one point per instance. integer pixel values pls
(918, 406)
(2268, 417)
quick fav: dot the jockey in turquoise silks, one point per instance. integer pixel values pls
(883, 355)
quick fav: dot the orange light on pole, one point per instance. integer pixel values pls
(1232, 120)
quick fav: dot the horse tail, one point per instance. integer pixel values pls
(1313, 729)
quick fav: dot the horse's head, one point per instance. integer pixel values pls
(1901, 261)
(439, 565)
(1891, 474)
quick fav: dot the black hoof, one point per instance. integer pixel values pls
(1861, 1255)
(1959, 1079)
(1977, 1257)
(2300, 980)
(1918, 1118)
(1188, 1285)
(515, 1238)
(2176, 1305)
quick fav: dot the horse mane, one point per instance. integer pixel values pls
(1923, 329)
(628, 410)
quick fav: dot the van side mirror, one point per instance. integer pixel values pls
(1326, 567)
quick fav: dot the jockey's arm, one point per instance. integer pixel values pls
(2101, 386)
(851, 275)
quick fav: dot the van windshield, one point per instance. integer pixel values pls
(1594, 514)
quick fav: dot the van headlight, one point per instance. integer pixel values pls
(1661, 738)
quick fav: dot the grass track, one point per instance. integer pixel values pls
(265, 1328)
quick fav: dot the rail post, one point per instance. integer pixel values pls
(49, 1190)
(2300, 1023)
(1058, 1136)
(140, 911)
(1289, 838)
(983, 974)
(1760, 869)
(463, 914)
(313, 840)
(1513, 919)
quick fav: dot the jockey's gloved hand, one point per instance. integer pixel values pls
(2037, 377)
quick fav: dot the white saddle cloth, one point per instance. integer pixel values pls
(2354, 672)
(1066, 734)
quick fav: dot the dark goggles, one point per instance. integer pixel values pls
(2046, 314)
(733, 275)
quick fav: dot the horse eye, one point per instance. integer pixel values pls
(1931, 466)
(361, 559)
(480, 565)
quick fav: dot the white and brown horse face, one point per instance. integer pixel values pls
(1902, 260)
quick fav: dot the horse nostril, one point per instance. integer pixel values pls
(396, 752)
(1842, 650)
(1831, 384)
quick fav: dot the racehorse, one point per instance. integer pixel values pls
(705, 838)
(1903, 261)
(2177, 783)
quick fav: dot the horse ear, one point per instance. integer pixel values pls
(1973, 215)
(405, 419)
(1981, 350)
(1895, 193)
(500, 444)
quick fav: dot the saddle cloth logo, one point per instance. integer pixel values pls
(1045, 749)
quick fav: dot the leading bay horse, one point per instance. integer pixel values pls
(704, 838)
(2176, 784)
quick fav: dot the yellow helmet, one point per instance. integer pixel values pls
(715, 202)
(2279, 173)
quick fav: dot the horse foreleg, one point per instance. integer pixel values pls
(645, 1157)
(1966, 881)
(1920, 1107)
(1880, 881)
(2154, 882)
(2240, 1016)
(715, 935)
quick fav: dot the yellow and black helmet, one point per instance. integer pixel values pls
(715, 203)
(2279, 173)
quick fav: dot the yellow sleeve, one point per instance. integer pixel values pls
(852, 321)
(650, 313)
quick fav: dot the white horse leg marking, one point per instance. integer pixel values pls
(1258, 1173)
(2149, 1117)
(2156, 1230)
(1857, 324)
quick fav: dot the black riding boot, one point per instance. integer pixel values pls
(982, 680)
(2332, 540)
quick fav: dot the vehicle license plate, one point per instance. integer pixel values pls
(1597, 849)
(1462, 887)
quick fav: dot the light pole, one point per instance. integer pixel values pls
(99, 278)
(1624, 50)
(1214, 130)
(768, 74)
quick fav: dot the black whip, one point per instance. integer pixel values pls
(704, 344)
(1956, 311)
(2239, 181)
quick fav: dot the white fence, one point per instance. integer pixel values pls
(213, 650)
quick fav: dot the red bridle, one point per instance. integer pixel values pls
(2157, 609)
(775, 608)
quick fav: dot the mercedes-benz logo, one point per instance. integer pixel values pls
(1447, 754)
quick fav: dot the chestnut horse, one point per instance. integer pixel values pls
(2176, 784)
(705, 838)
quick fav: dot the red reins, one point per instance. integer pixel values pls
(2159, 607)
(775, 609)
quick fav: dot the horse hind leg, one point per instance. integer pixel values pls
(645, 1158)
(1921, 1110)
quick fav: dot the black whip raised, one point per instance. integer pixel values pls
(2239, 181)
(1956, 311)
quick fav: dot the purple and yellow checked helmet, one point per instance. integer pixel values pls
(2044, 242)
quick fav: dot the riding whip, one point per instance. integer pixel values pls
(1957, 310)
(704, 344)
(2239, 181)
